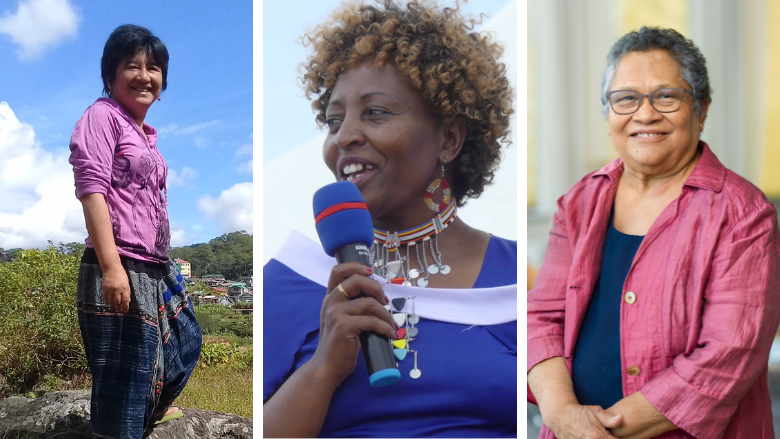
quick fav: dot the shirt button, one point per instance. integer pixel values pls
(630, 297)
(633, 371)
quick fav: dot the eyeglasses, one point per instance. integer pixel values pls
(665, 100)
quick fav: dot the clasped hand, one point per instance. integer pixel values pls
(574, 421)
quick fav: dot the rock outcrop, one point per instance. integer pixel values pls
(65, 415)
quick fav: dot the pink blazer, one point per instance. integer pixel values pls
(700, 303)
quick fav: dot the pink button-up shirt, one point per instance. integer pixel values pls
(112, 156)
(706, 299)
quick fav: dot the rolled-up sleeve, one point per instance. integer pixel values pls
(547, 299)
(91, 150)
(701, 390)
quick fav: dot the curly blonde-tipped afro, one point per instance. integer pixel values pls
(456, 70)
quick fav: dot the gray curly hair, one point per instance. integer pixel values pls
(693, 66)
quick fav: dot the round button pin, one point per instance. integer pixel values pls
(630, 297)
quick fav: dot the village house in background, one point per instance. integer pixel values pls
(237, 288)
(226, 292)
(213, 280)
(185, 268)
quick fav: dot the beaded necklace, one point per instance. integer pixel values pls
(388, 263)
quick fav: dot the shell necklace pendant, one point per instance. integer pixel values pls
(423, 257)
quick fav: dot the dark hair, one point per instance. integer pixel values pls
(125, 42)
(456, 69)
(693, 66)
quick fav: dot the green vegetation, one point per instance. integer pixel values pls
(216, 354)
(218, 320)
(228, 337)
(222, 380)
(229, 254)
(41, 348)
(201, 286)
(39, 333)
(221, 388)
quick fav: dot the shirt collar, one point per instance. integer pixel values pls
(709, 172)
(150, 131)
(151, 134)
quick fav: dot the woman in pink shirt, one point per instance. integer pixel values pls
(140, 335)
(657, 302)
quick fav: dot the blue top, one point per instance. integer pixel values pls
(468, 386)
(596, 369)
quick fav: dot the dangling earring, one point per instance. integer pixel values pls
(422, 239)
(446, 193)
(159, 98)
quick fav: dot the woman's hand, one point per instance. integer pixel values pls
(342, 320)
(574, 421)
(309, 389)
(116, 288)
(550, 382)
(642, 420)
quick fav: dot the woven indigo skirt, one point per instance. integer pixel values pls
(140, 360)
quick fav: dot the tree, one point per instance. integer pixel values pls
(73, 249)
(230, 254)
(203, 259)
(13, 253)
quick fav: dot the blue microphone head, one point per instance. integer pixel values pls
(341, 217)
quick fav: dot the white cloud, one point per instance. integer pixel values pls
(179, 236)
(201, 143)
(176, 130)
(245, 149)
(38, 201)
(232, 210)
(39, 24)
(182, 178)
(246, 167)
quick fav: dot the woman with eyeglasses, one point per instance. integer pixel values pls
(656, 305)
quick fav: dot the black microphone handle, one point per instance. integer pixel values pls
(354, 253)
(376, 348)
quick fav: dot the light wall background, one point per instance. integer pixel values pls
(568, 41)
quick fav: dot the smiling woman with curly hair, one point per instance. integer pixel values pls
(416, 105)
(456, 71)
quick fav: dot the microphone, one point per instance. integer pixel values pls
(346, 232)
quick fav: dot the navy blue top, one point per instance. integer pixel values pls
(468, 386)
(596, 369)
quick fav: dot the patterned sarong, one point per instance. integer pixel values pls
(140, 360)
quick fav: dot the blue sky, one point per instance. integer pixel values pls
(288, 121)
(50, 52)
